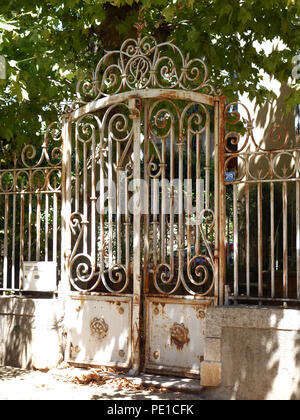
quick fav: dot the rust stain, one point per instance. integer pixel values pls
(73, 349)
(156, 355)
(156, 311)
(111, 302)
(179, 335)
(200, 311)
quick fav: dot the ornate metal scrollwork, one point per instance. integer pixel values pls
(36, 174)
(81, 265)
(274, 157)
(236, 143)
(50, 156)
(144, 63)
(174, 130)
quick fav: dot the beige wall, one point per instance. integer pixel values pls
(252, 353)
(273, 111)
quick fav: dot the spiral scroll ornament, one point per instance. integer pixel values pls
(237, 141)
(273, 157)
(81, 265)
(51, 154)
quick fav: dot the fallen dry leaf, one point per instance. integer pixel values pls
(94, 378)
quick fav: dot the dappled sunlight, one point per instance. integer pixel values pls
(260, 353)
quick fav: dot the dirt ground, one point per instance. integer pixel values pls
(68, 383)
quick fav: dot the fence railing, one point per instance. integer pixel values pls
(263, 220)
(30, 218)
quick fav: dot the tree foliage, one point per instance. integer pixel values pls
(50, 44)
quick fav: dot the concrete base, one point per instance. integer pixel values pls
(252, 353)
(30, 332)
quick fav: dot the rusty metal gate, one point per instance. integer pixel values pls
(144, 211)
(141, 178)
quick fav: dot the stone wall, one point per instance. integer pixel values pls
(31, 332)
(252, 353)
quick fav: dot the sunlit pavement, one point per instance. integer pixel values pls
(60, 384)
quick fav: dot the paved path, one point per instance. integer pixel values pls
(73, 384)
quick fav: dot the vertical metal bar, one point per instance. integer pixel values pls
(272, 241)
(247, 244)
(66, 204)
(77, 173)
(155, 210)
(127, 230)
(207, 163)
(5, 263)
(219, 116)
(38, 228)
(189, 194)
(217, 199)
(46, 227)
(119, 216)
(137, 286)
(85, 197)
(93, 201)
(22, 242)
(29, 226)
(260, 239)
(102, 203)
(110, 201)
(181, 240)
(298, 236)
(172, 198)
(146, 197)
(285, 240)
(13, 255)
(55, 225)
(235, 240)
(199, 192)
(163, 203)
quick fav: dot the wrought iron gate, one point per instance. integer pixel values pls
(137, 216)
(141, 171)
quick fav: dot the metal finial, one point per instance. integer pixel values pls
(141, 24)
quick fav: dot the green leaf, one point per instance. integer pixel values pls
(169, 13)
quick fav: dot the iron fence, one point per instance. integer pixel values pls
(30, 218)
(263, 222)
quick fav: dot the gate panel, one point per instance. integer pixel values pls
(180, 218)
(175, 335)
(105, 227)
(180, 231)
(99, 331)
(101, 220)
